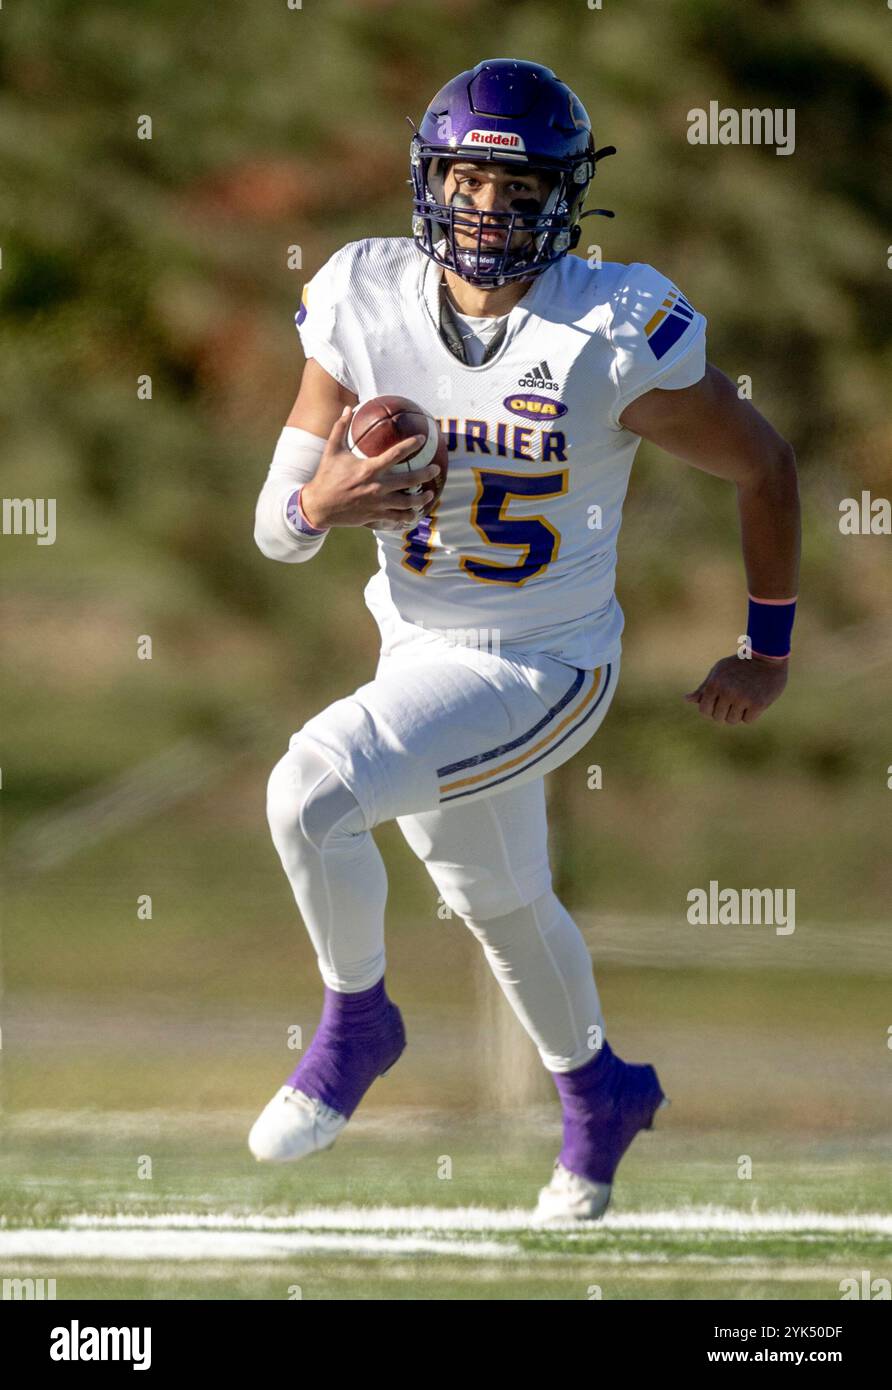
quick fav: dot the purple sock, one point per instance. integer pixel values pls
(359, 1037)
(605, 1103)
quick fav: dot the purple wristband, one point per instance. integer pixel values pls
(296, 518)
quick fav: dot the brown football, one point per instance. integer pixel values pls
(381, 422)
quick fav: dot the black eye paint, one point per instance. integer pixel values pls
(530, 209)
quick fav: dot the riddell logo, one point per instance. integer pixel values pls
(504, 140)
(540, 377)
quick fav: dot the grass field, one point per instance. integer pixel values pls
(425, 1205)
(136, 1055)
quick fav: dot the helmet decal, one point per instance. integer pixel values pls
(498, 139)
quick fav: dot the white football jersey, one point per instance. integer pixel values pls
(522, 544)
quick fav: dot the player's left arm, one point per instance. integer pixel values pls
(708, 426)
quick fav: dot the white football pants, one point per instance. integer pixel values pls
(454, 745)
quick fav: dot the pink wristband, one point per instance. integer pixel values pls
(317, 530)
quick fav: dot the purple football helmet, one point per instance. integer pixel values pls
(503, 112)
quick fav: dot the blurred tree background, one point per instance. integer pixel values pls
(168, 258)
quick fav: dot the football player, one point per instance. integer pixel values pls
(545, 372)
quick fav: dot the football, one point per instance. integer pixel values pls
(383, 421)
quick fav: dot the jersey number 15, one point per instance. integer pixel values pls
(536, 536)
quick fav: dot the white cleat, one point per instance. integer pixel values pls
(292, 1126)
(569, 1197)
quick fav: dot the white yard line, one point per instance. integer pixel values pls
(144, 1244)
(709, 1220)
(466, 1232)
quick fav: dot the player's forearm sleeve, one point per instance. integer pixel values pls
(294, 463)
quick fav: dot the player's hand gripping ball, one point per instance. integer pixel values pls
(380, 423)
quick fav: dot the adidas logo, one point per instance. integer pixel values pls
(541, 377)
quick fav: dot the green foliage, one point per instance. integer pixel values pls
(167, 258)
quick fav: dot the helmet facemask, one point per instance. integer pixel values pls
(550, 222)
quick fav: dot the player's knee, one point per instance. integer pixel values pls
(307, 803)
(484, 903)
(500, 921)
(282, 800)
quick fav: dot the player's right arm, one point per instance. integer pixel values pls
(315, 481)
(346, 490)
